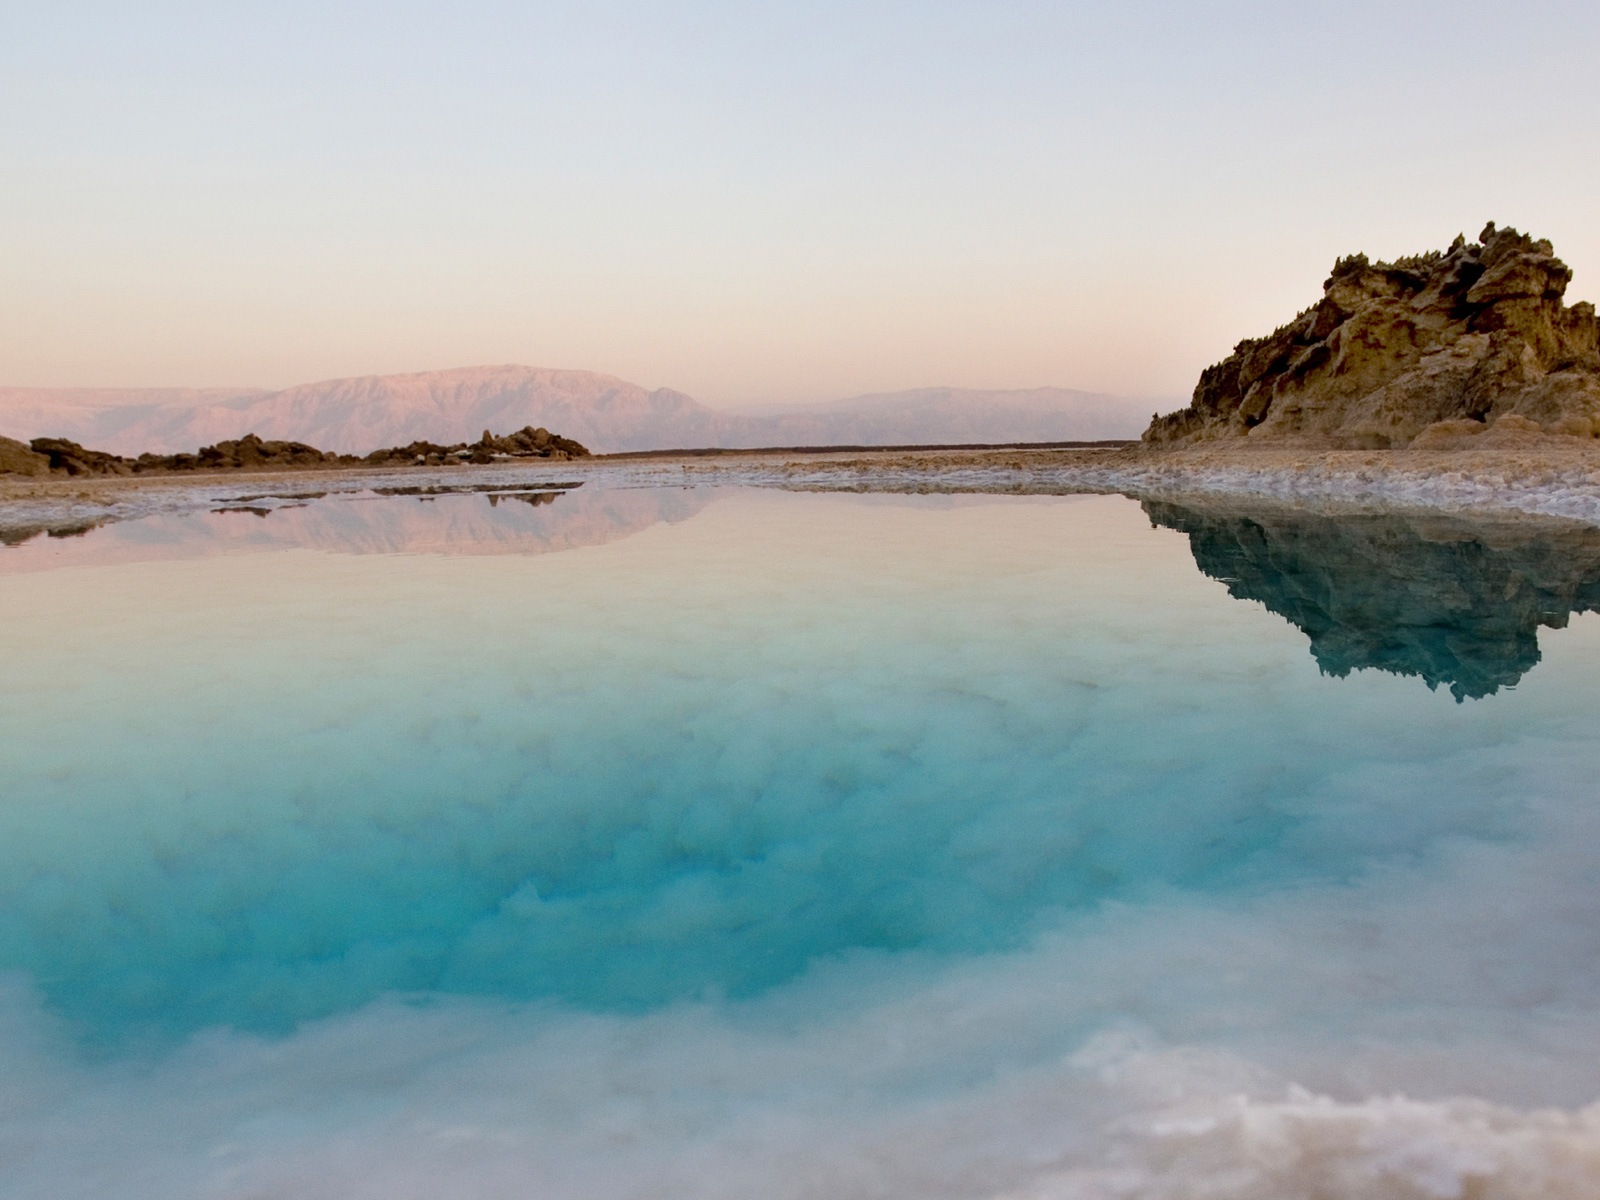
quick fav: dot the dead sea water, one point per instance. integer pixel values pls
(605, 843)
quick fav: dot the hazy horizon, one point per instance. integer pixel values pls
(213, 392)
(605, 413)
(762, 208)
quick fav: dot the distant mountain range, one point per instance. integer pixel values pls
(606, 414)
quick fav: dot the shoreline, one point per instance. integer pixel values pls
(1521, 473)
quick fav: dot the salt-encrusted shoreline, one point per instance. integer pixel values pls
(1544, 476)
(1550, 476)
(1358, 481)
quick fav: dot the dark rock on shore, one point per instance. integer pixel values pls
(1471, 334)
(69, 458)
(18, 459)
(527, 442)
(245, 453)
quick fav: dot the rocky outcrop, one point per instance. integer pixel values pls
(1455, 602)
(68, 458)
(527, 442)
(64, 457)
(246, 453)
(1470, 334)
(17, 459)
(250, 453)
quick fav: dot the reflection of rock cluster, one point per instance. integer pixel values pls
(1468, 335)
(1458, 603)
(457, 518)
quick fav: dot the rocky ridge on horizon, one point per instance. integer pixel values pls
(61, 456)
(1441, 344)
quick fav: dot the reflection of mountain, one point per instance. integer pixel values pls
(1454, 601)
(503, 522)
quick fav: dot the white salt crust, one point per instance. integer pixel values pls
(1571, 492)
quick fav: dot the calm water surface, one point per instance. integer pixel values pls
(696, 843)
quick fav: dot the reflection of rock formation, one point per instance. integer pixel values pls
(415, 520)
(1457, 602)
(15, 535)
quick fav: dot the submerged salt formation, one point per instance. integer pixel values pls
(1472, 334)
(1456, 602)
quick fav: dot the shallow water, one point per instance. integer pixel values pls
(680, 842)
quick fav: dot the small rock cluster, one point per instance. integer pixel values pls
(245, 453)
(1473, 333)
(58, 456)
(527, 442)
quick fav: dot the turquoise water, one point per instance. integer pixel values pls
(650, 842)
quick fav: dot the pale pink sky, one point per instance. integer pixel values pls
(754, 204)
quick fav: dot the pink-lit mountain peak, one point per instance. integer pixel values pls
(358, 414)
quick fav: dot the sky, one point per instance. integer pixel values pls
(758, 204)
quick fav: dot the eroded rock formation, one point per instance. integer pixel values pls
(1457, 602)
(65, 457)
(525, 443)
(18, 459)
(1471, 334)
